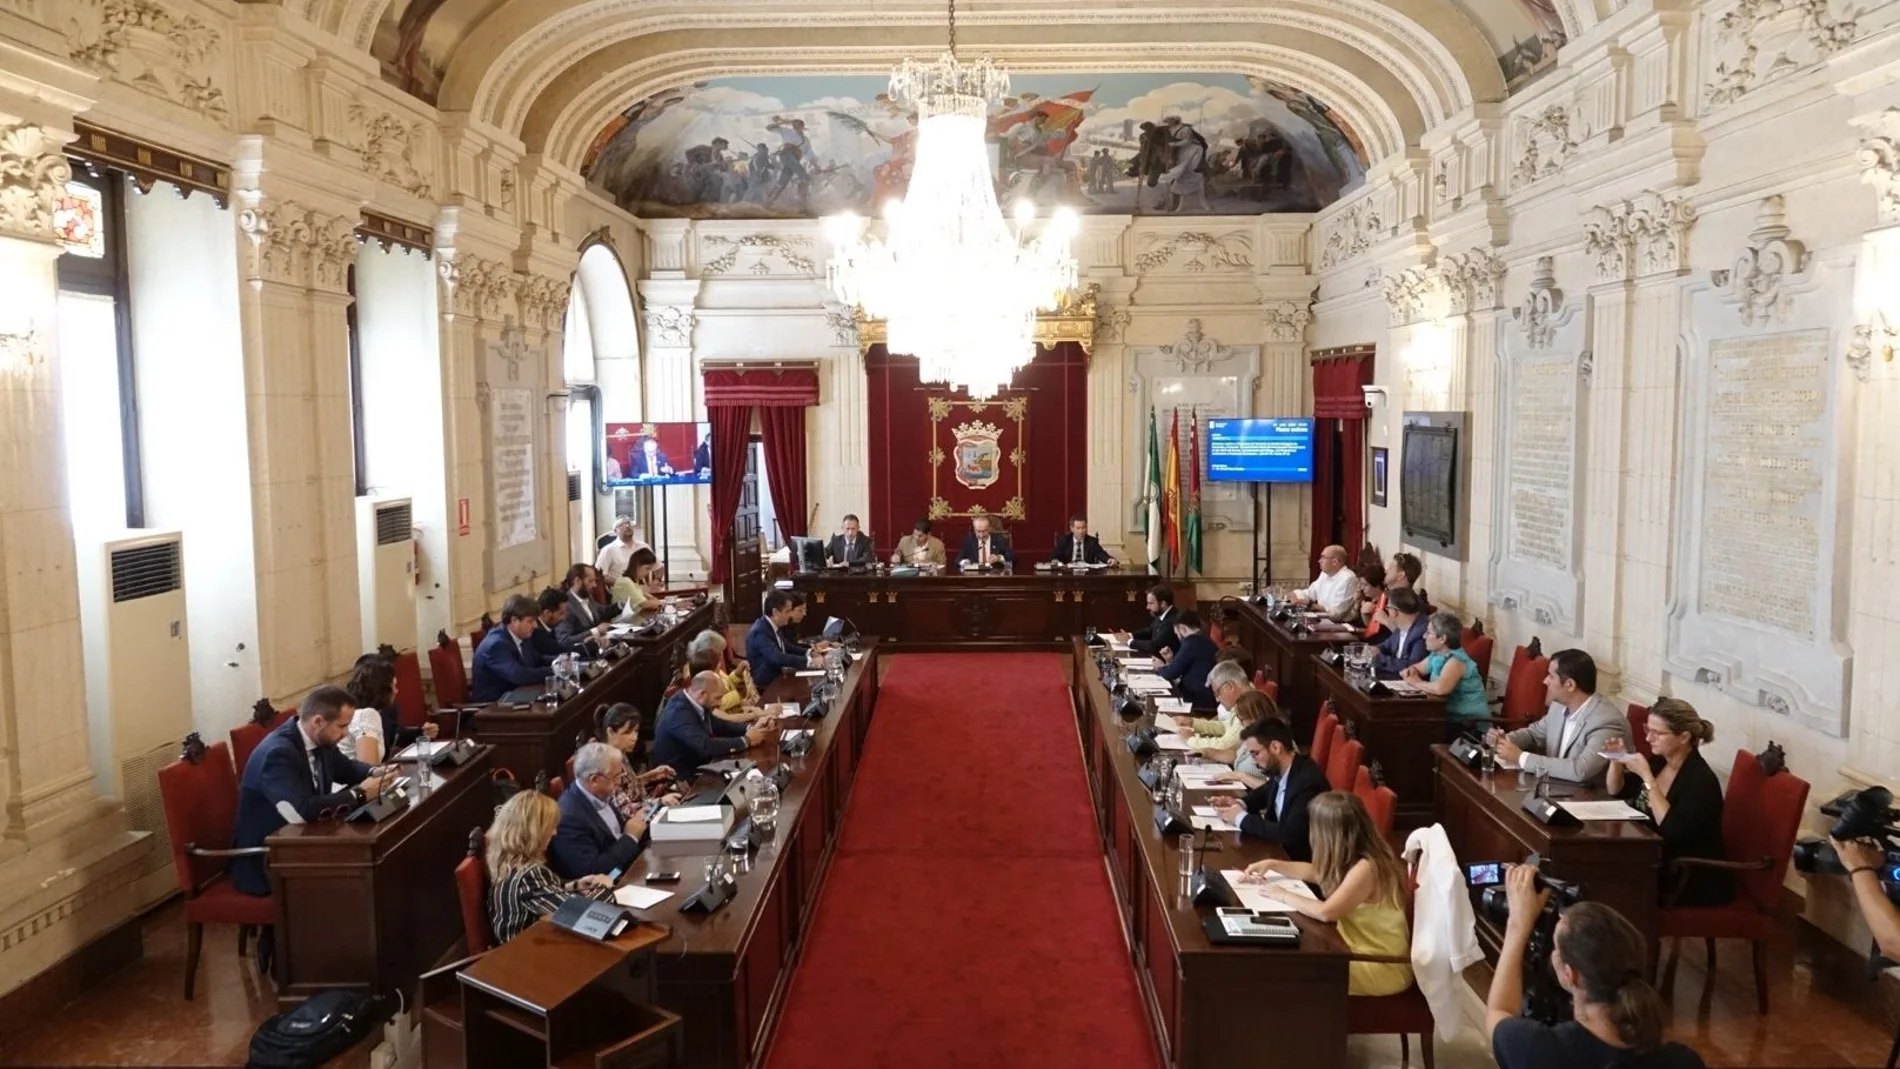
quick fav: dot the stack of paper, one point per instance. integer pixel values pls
(1149, 685)
(1137, 664)
(1251, 890)
(1611, 810)
(1172, 705)
(1200, 777)
(1116, 644)
(1206, 816)
(1401, 686)
(633, 896)
(691, 822)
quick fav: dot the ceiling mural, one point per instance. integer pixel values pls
(1121, 143)
(1525, 33)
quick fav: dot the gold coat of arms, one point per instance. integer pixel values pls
(978, 453)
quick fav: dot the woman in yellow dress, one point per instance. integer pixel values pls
(707, 653)
(1363, 884)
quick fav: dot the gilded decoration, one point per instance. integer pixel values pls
(970, 446)
(1073, 319)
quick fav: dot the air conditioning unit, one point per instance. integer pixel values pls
(138, 681)
(386, 571)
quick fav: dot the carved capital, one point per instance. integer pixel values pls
(296, 246)
(1760, 269)
(1111, 323)
(1286, 322)
(544, 302)
(33, 173)
(1648, 234)
(1880, 162)
(670, 326)
(483, 289)
(1195, 352)
(1472, 281)
(1405, 295)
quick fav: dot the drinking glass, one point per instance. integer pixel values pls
(1186, 847)
(1488, 760)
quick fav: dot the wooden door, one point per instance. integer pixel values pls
(745, 581)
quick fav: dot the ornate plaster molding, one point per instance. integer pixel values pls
(1761, 41)
(1111, 323)
(1546, 145)
(1472, 280)
(1405, 294)
(33, 172)
(1645, 235)
(1760, 269)
(1232, 251)
(843, 321)
(481, 289)
(1880, 161)
(293, 245)
(1543, 305)
(544, 302)
(1286, 322)
(394, 151)
(1350, 234)
(670, 326)
(789, 249)
(1195, 352)
(146, 46)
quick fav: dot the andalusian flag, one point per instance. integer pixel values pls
(1151, 522)
(1194, 493)
(1174, 492)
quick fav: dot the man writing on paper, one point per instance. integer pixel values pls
(1568, 743)
(920, 547)
(1160, 639)
(1276, 810)
(1335, 590)
(984, 549)
(1079, 546)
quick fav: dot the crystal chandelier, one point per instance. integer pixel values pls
(956, 285)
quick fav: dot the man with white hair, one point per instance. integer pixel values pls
(688, 735)
(591, 839)
(617, 556)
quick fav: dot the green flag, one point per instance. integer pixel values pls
(1192, 492)
(1151, 524)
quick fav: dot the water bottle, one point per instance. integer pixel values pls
(762, 801)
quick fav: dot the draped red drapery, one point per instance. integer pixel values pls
(781, 395)
(1339, 480)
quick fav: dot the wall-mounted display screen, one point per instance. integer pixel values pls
(1276, 450)
(656, 454)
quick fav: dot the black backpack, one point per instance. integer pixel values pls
(316, 1030)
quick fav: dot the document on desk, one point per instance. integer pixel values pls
(1401, 686)
(1613, 810)
(1172, 705)
(1252, 890)
(1137, 664)
(418, 749)
(784, 710)
(694, 814)
(633, 896)
(1170, 742)
(1201, 777)
(1164, 722)
(1206, 816)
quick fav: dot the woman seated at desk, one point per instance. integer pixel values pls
(708, 652)
(1679, 791)
(522, 888)
(1363, 882)
(618, 725)
(1448, 672)
(635, 589)
(372, 686)
(1218, 738)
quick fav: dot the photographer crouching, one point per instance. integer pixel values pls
(1597, 958)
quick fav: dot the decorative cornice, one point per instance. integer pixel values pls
(389, 231)
(1074, 319)
(33, 173)
(296, 246)
(1472, 281)
(762, 248)
(147, 164)
(1760, 269)
(1880, 161)
(1232, 251)
(1405, 295)
(1546, 145)
(1350, 234)
(1645, 235)
(1286, 322)
(1542, 306)
(670, 326)
(142, 44)
(1761, 41)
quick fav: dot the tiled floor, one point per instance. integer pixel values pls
(1824, 1014)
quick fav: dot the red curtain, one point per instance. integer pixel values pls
(783, 435)
(781, 395)
(1339, 483)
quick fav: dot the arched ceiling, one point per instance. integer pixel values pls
(556, 72)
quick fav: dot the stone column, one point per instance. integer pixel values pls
(1473, 282)
(674, 394)
(1286, 387)
(544, 300)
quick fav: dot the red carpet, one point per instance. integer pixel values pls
(970, 800)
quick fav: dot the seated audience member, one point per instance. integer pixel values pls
(550, 638)
(1600, 959)
(1679, 791)
(584, 616)
(850, 546)
(1448, 672)
(522, 888)
(374, 731)
(983, 547)
(616, 557)
(618, 725)
(1402, 574)
(1335, 591)
(1567, 743)
(1188, 669)
(592, 836)
(1362, 884)
(766, 649)
(920, 547)
(1404, 642)
(635, 589)
(1160, 634)
(1078, 546)
(1276, 810)
(506, 660)
(688, 735)
(298, 765)
(1218, 737)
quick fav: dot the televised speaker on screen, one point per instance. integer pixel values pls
(657, 454)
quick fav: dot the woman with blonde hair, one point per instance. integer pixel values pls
(1225, 747)
(1679, 792)
(521, 887)
(1362, 882)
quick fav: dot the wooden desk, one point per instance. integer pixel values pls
(1618, 862)
(1287, 657)
(1398, 732)
(954, 612)
(555, 998)
(541, 739)
(1209, 1005)
(371, 906)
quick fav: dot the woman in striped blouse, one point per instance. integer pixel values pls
(521, 887)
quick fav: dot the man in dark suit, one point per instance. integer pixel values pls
(1276, 810)
(1187, 669)
(984, 548)
(584, 616)
(850, 547)
(766, 649)
(688, 735)
(550, 639)
(1404, 641)
(591, 838)
(649, 462)
(1160, 634)
(506, 659)
(298, 766)
(702, 455)
(1079, 546)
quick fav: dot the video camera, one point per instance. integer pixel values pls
(1544, 998)
(1864, 814)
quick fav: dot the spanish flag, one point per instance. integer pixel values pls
(1174, 492)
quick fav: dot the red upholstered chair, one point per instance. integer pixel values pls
(1478, 647)
(1524, 690)
(1325, 729)
(1381, 802)
(1343, 763)
(1405, 1014)
(1267, 686)
(247, 737)
(412, 707)
(1639, 728)
(1761, 815)
(451, 681)
(471, 890)
(199, 792)
(557, 787)
(1216, 635)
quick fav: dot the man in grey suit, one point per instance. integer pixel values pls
(1568, 742)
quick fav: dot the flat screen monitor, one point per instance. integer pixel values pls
(808, 555)
(1272, 450)
(658, 454)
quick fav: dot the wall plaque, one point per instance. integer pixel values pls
(513, 425)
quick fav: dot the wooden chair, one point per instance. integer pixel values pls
(1343, 763)
(199, 792)
(412, 707)
(1381, 802)
(1405, 1014)
(1478, 647)
(1639, 728)
(1761, 815)
(1524, 690)
(248, 737)
(471, 890)
(451, 681)
(1325, 731)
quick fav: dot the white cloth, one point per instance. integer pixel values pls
(1444, 932)
(1332, 592)
(366, 724)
